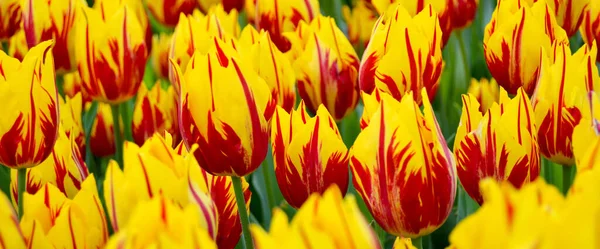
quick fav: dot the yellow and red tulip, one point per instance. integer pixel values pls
(161, 44)
(250, 7)
(270, 64)
(360, 20)
(561, 100)
(514, 42)
(462, 12)
(279, 16)
(17, 45)
(54, 20)
(64, 168)
(72, 86)
(51, 217)
(228, 5)
(102, 140)
(309, 154)
(111, 53)
(403, 169)
(70, 120)
(408, 59)
(108, 8)
(326, 66)
(226, 115)
(485, 91)
(10, 18)
(196, 32)
(324, 221)
(10, 231)
(30, 121)
(590, 27)
(586, 136)
(569, 13)
(167, 11)
(155, 111)
(500, 143)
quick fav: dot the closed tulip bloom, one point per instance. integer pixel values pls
(463, 12)
(514, 40)
(228, 5)
(108, 8)
(360, 19)
(17, 45)
(72, 86)
(324, 221)
(112, 54)
(155, 110)
(195, 33)
(271, 65)
(167, 11)
(54, 20)
(403, 169)
(29, 125)
(485, 91)
(590, 27)
(161, 44)
(500, 143)
(560, 100)
(226, 115)
(64, 168)
(279, 16)
(51, 217)
(569, 13)
(326, 67)
(102, 140)
(71, 120)
(404, 54)
(10, 18)
(303, 164)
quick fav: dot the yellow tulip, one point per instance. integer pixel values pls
(71, 120)
(590, 27)
(167, 11)
(360, 20)
(10, 18)
(161, 44)
(17, 45)
(155, 110)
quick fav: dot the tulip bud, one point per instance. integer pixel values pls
(279, 16)
(17, 45)
(403, 169)
(590, 27)
(404, 54)
(54, 20)
(514, 40)
(560, 100)
(309, 154)
(29, 125)
(10, 18)
(485, 91)
(112, 54)
(72, 85)
(161, 43)
(155, 111)
(326, 67)
(360, 20)
(225, 115)
(500, 143)
(167, 11)
(569, 13)
(462, 12)
(102, 140)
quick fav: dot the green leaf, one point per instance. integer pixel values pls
(5, 180)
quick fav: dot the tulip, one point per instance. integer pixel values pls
(590, 27)
(108, 8)
(510, 218)
(514, 40)
(324, 221)
(155, 111)
(569, 13)
(403, 243)
(250, 9)
(586, 136)
(462, 12)
(279, 16)
(195, 33)
(10, 18)
(228, 5)
(500, 143)
(485, 91)
(10, 231)
(271, 65)
(54, 20)
(64, 168)
(371, 104)
(408, 59)
(102, 140)
(167, 11)
(161, 223)
(17, 45)
(322, 45)
(403, 169)
(303, 164)
(360, 20)
(51, 217)
(70, 119)
(72, 85)
(161, 43)
(112, 55)
(560, 100)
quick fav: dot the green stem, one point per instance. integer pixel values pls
(118, 137)
(381, 234)
(268, 186)
(126, 116)
(241, 204)
(21, 178)
(88, 122)
(418, 242)
(5, 46)
(465, 60)
(566, 178)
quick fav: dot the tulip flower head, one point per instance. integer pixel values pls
(404, 54)
(485, 91)
(462, 12)
(403, 169)
(155, 111)
(360, 19)
(167, 12)
(322, 45)
(514, 42)
(308, 153)
(226, 115)
(161, 44)
(30, 121)
(500, 143)
(10, 18)
(590, 27)
(102, 140)
(109, 7)
(569, 13)
(228, 5)
(72, 85)
(70, 120)
(17, 45)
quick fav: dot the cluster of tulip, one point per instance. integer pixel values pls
(169, 110)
